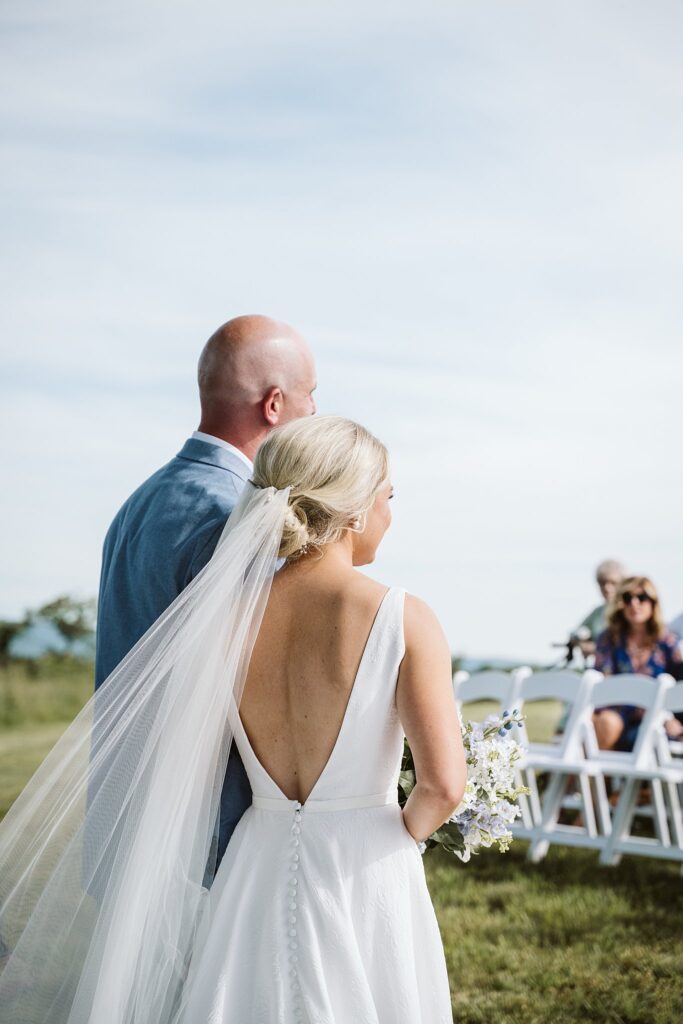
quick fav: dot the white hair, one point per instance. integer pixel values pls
(610, 567)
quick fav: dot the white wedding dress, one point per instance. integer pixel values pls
(320, 912)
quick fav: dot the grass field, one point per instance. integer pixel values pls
(562, 942)
(35, 707)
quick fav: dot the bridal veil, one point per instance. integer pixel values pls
(103, 856)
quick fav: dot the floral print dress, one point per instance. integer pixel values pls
(614, 659)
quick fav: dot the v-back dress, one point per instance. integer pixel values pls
(320, 912)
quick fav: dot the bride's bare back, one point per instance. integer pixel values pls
(303, 668)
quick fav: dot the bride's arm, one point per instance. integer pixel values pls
(426, 707)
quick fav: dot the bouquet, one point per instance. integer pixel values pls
(484, 815)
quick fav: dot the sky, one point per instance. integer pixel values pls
(473, 212)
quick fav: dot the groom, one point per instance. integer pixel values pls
(255, 374)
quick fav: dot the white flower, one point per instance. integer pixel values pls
(487, 809)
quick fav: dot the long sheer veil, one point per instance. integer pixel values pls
(103, 855)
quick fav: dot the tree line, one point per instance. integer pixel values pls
(74, 619)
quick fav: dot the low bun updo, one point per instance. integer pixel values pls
(334, 467)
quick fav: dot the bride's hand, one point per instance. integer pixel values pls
(420, 843)
(405, 825)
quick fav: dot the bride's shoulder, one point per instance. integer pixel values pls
(421, 625)
(358, 585)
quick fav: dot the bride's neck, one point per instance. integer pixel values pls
(330, 559)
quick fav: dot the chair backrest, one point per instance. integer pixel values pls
(670, 751)
(673, 699)
(640, 691)
(496, 686)
(459, 678)
(556, 684)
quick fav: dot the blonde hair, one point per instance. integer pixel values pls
(617, 622)
(334, 468)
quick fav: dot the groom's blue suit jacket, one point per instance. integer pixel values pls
(159, 540)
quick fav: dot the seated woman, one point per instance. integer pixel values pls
(636, 641)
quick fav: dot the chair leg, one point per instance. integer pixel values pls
(623, 816)
(550, 812)
(588, 810)
(602, 805)
(673, 800)
(661, 821)
(523, 802)
(534, 798)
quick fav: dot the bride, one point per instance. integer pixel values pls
(319, 912)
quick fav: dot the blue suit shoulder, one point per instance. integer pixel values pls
(160, 538)
(181, 505)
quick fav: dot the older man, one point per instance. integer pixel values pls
(609, 576)
(254, 374)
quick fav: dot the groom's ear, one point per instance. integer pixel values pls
(272, 406)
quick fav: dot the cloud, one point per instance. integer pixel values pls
(472, 210)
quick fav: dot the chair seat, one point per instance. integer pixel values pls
(555, 764)
(665, 773)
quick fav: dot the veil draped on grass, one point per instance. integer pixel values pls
(103, 856)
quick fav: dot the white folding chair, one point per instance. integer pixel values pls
(560, 760)
(670, 771)
(499, 687)
(673, 702)
(633, 767)
(669, 751)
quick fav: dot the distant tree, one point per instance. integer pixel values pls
(8, 631)
(74, 619)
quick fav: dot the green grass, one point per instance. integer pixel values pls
(37, 702)
(561, 942)
(50, 690)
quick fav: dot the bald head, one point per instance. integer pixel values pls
(254, 374)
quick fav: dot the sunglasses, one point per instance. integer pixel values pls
(640, 598)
